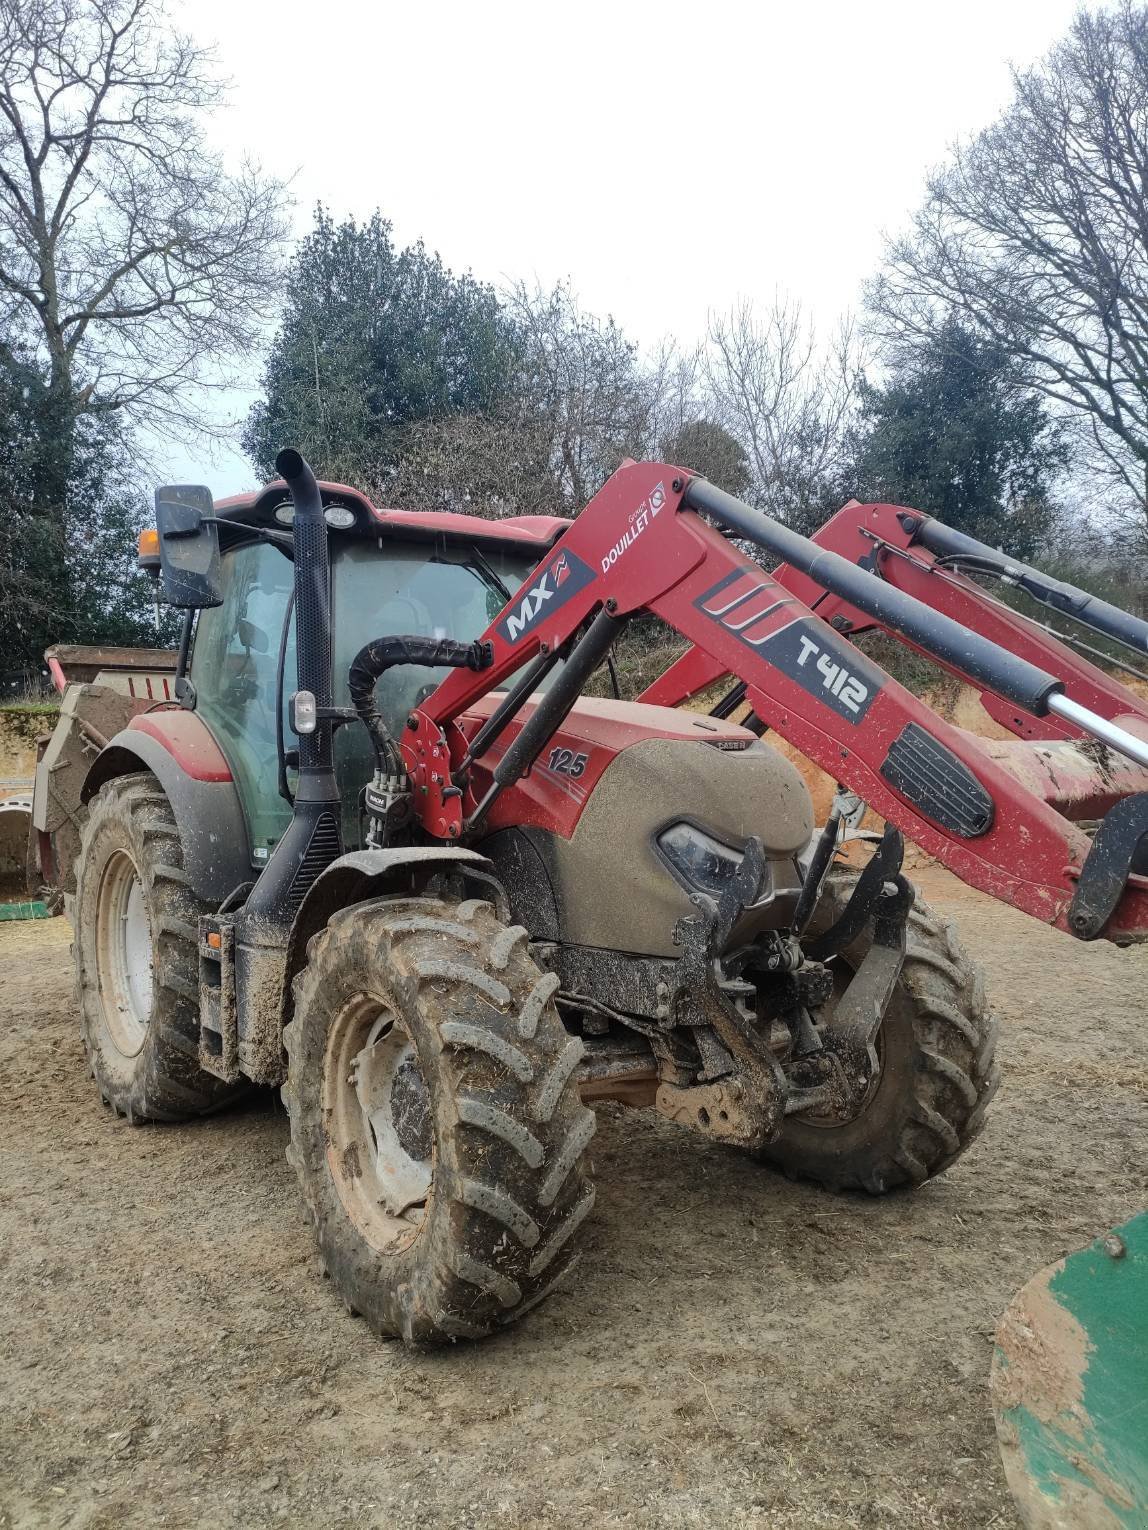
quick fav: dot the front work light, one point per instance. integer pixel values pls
(303, 712)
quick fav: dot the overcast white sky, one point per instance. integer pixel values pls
(667, 158)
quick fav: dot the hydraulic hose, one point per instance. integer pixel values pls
(1089, 610)
(372, 662)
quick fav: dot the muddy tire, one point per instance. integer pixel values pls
(136, 953)
(436, 1127)
(938, 1071)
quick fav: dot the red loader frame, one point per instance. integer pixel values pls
(997, 814)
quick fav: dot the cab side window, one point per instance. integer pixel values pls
(233, 669)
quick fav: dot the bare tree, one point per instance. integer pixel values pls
(787, 400)
(131, 263)
(1036, 233)
(472, 464)
(597, 398)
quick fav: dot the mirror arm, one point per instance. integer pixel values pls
(283, 540)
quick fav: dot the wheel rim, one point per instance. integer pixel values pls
(124, 954)
(380, 1138)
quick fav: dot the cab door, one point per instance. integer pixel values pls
(234, 669)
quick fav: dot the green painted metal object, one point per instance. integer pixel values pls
(1070, 1388)
(26, 910)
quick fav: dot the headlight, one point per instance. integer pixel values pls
(697, 859)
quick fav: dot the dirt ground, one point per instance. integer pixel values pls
(737, 1350)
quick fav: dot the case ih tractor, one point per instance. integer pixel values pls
(382, 852)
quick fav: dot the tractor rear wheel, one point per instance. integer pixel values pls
(436, 1127)
(937, 1069)
(136, 951)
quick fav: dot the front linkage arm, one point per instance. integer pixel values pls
(641, 544)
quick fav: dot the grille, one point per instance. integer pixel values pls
(322, 848)
(932, 778)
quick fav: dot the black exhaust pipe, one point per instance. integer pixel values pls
(313, 838)
(312, 625)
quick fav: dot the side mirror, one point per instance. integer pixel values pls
(251, 637)
(188, 546)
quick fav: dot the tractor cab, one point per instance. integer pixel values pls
(439, 576)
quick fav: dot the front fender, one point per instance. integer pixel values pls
(364, 874)
(212, 828)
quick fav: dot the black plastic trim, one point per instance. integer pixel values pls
(930, 776)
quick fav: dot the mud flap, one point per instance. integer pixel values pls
(1070, 1388)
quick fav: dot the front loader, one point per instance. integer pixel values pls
(383, 852)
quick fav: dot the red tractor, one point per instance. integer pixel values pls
(383, 852)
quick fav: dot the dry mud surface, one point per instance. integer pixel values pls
(738, 1351)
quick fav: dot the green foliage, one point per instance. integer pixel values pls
(23, 722)
(956, 433)
(374, 339)
(70, 511)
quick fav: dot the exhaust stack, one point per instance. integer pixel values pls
(312, 626)
(313, 838)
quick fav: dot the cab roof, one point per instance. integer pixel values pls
(260, 505)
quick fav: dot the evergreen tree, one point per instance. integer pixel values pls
(374, 339)
(67, 540)
(957, 434)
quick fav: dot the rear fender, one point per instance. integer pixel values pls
(367, 874)
(198, 784)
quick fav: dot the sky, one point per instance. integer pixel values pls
(668, 159)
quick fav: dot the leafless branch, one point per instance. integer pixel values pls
(131, 260)
(785, 397)
(1037, 234)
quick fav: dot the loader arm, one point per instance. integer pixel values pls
(886, 540)
(893, 543)
(641, 545)
(1069, 770)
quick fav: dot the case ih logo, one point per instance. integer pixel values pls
(549, 590)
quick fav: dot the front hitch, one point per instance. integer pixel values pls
(747, 1106)
(837, 1063)
(842, 1071)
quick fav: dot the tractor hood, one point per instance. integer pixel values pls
(599, 843)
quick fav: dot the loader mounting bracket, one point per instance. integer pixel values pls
(883, 866)
(839, 1077)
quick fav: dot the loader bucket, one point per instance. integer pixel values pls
(1070, 1388)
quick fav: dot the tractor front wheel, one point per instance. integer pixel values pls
(436, 1127)
(937, 1069)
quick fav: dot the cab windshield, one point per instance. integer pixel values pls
(422, 588)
